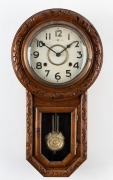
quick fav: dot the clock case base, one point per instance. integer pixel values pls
(78, 137)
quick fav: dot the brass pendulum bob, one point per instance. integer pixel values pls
(55, 139)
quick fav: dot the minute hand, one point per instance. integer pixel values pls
(50, 49)
(68, 46)
(43, 44)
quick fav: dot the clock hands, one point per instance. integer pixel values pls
(59, 53)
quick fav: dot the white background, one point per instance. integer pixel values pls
(99, 165)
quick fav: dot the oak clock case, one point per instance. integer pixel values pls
(57, 56)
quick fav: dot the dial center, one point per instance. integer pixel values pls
(57, 57)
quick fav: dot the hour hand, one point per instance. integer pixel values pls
(68, 46)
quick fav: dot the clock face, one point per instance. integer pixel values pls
(57, 54)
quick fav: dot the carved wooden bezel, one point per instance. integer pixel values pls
(39, 89)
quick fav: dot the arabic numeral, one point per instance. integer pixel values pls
(40, 43)
(47, 72)
(58, 33)
(48, 36)
(68, 73)
(57, 76)
(68, 36)
(38, 65)
(80, 54)
(76, 43)
(36, 54)
(76, 65)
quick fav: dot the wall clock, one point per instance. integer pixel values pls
(57, 56)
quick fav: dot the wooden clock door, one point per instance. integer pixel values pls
(72, 124)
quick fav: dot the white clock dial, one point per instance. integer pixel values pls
(57, 54)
